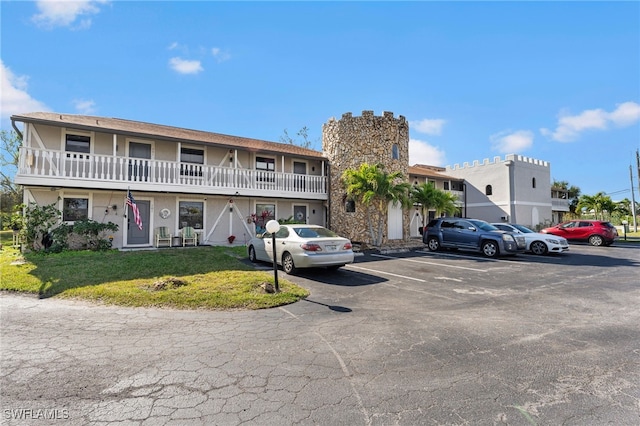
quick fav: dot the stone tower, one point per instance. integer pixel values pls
(352, 141)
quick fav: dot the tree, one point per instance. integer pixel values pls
(9, 157)
(303, 133)
(573, 192)
(374, 188)
(445, 202)
(425, 195)
(11, 194)
(599, 203)
(429, 197)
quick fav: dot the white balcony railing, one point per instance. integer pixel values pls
(560, 204)
(71, 166)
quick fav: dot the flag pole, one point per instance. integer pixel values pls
(125, 209)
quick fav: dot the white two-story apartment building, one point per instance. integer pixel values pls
(227, 187)
(220, 185)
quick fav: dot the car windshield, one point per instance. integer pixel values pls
(315, 232)
(483, 225)
(523, 229)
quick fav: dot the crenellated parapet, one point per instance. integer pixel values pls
(498, 160)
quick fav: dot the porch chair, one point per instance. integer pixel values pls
(189, 235)
(163, 236)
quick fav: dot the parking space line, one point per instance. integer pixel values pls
(385, 273)
(432, 263)
(486, 259)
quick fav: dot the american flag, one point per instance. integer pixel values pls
(134, 208)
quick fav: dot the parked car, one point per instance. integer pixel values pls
(471, 234)
(537, 243)
(596, 232)
(302, 246)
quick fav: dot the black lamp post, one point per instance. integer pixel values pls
(272, 227)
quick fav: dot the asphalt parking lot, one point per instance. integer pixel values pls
(397, 339)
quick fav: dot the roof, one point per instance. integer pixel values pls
(430, 171)
(158, 131)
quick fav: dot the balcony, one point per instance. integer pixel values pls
(78, 170)
(560, 204)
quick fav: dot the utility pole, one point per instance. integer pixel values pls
(635, 225)
(633, 201)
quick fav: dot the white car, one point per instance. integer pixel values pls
(302, 246)
(537, 243)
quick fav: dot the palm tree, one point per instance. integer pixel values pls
(425, 195)
(598, 203)
(445, 202)
(429, 197)
(375, 189)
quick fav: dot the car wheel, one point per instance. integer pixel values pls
(490, 249)
(433, 244)
(596, 240)
(539, 248)
(252, 254)
(287, 264)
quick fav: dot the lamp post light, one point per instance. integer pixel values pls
(272, 227)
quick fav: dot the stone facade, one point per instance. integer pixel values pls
(348, 143)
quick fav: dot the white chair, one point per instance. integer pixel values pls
(189, 235)
(163, 236)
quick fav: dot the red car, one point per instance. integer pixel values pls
(596, 232)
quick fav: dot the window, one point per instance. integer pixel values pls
(264, 213)
(193, 156)
(395, 152)
(77, 143)
(488, 190)
(349, 204)
(191, 213)
(445, 185)
(75, 209)
(264, 164)
(283, 232)
(533, 182)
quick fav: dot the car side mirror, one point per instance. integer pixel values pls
(471, 228)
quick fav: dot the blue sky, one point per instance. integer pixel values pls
(554, 81)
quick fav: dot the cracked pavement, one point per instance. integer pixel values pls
(427, 340)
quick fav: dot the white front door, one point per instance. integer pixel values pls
(394, 222)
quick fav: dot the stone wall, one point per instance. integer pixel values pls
(352, 141)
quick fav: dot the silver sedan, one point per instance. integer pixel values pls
(537, 243)
(302, 246)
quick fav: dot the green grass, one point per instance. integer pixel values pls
(208, 278)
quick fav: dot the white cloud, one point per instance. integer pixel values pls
(570, 127)
(15, 99)
(421, 152)
(219, 54)
(428, 126)
(64, 13)
(509, 142)
(184, 66)
(626, 114)
(173, 45)
(84, 106)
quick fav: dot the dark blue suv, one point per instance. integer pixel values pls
(471, 234)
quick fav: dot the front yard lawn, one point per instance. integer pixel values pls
(214, 278)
